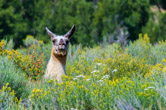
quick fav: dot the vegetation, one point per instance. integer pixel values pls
(103, 77)
(123, 70)
(96, 20)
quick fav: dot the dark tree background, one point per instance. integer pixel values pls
(94, 19)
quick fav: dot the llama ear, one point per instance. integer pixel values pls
(70, 32)
(50, 33)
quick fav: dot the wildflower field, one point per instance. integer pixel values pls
(101, 78)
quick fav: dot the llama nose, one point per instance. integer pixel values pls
(61, 42)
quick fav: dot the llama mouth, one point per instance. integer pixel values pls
(61, 47)
(61, 52)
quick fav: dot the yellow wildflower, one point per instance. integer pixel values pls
(164, 60)
(12, 93)
(16, 99)
(7, 84)
(159, 65)
(146, 38)
(50, 81)
(9, 88)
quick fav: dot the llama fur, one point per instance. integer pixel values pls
(56, 67)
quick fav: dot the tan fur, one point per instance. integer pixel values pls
(56, 66)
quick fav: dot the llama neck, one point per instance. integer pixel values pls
(56, 66)
(59, 60)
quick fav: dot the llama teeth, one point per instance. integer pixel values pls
(63, 47)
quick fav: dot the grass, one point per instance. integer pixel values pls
(103, 77)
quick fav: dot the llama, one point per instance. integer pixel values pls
(56, 66)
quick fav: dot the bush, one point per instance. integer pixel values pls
(30, 41)
(8, 100)
(156, 28)
(9, 44)
(142, 48)
(14, 76)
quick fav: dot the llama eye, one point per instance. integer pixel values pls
(67, 41)
(54, 41)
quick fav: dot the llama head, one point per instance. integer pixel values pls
(60, 42)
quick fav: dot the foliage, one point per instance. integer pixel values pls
(9, 45)
(15, 77)
(143, 49)
(131, 14)
(12, 24)
(95, 20)
(103, 77)
(30, 41)
(156, 28)
(158, 3)
(35, 69)
(8, 100)
(32, 65)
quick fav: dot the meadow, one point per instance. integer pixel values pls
(104, 77)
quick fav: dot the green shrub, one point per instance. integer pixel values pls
(14, 76)
(142, 48)
(156, 28)
(8, 100)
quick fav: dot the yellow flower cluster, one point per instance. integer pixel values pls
(17, 57)
(2, 44)
(7, 92)
(39, 94)
(164, 60)
(156, 69)
(144, 38)
(32, 65)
